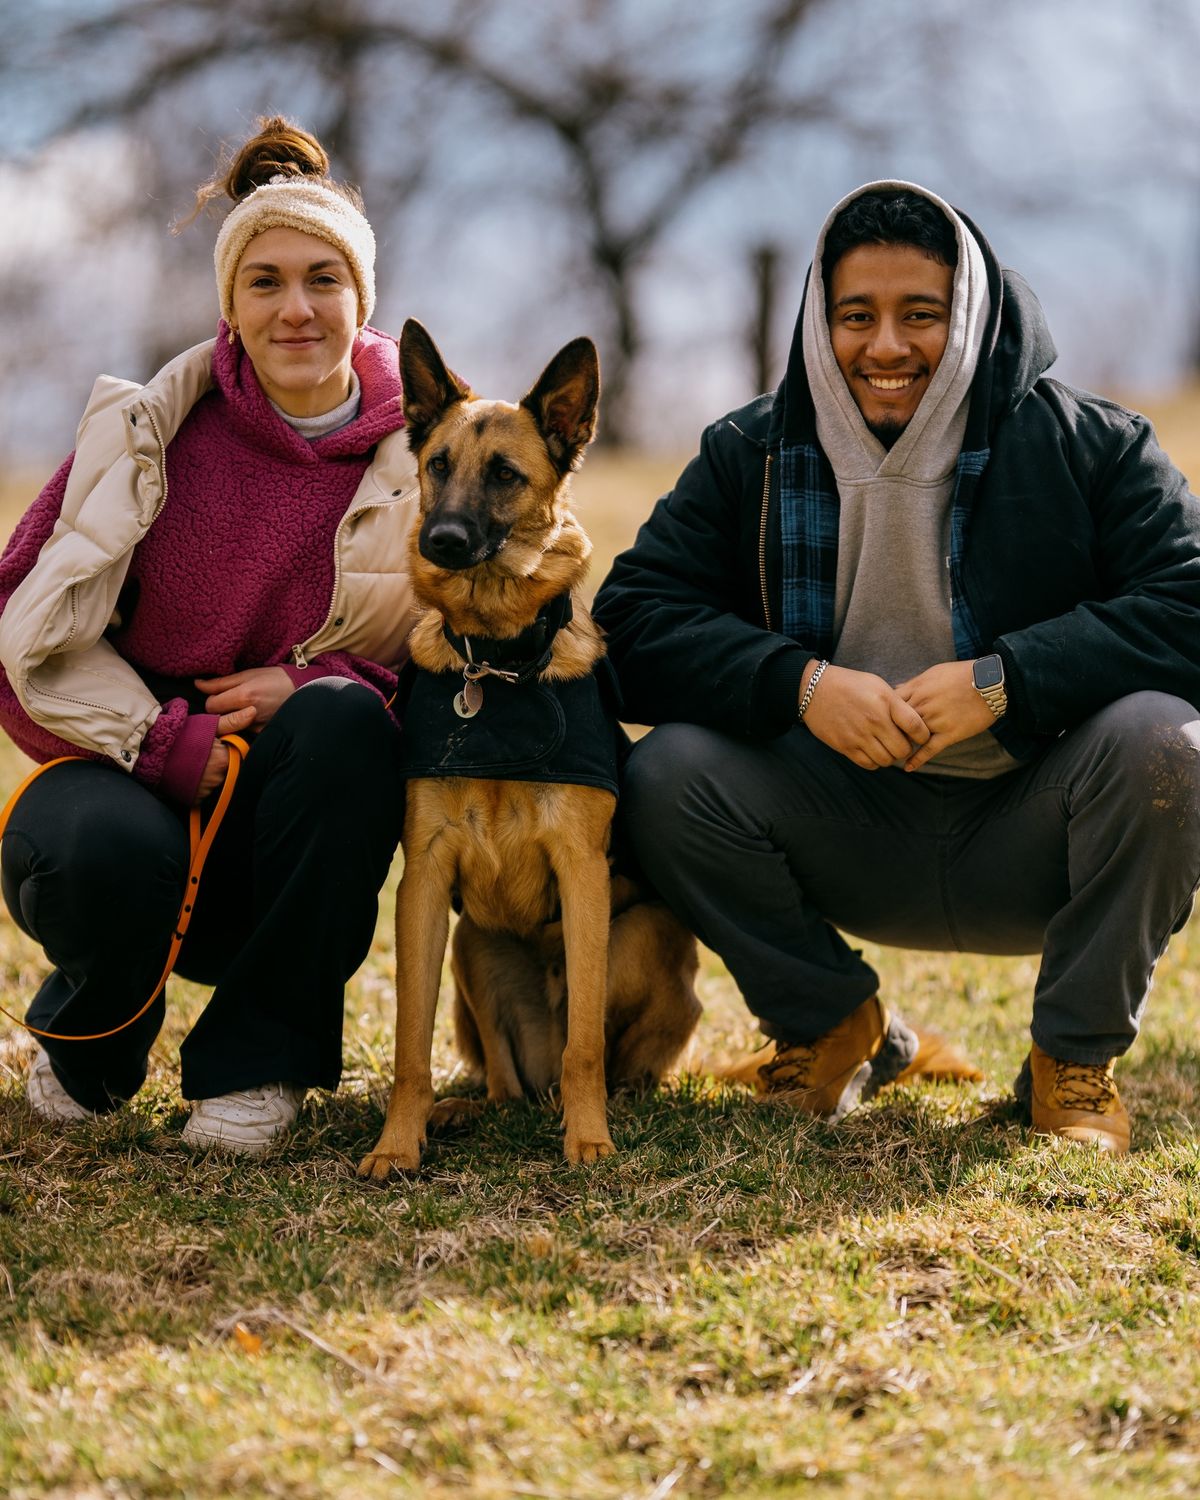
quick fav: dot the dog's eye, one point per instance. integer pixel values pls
(438, 463)
(504, 473)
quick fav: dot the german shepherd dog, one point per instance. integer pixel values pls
(564, 973)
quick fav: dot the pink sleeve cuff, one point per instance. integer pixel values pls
(186, 759)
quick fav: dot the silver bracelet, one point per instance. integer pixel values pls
(810, 690)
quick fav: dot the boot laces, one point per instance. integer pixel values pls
(1086, 1086)
(792, 1066)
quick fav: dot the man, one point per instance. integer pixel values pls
(922, 634)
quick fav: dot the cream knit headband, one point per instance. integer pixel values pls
(297, 203)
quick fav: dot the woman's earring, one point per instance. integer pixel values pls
(232, 334)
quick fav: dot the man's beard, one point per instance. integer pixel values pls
(887, 432)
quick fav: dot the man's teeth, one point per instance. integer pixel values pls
(896, 383)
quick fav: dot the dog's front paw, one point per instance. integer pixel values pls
(377, 1165)
(581, 1153)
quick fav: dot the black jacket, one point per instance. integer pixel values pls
(1081, 560)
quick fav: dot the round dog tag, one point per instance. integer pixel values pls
(468, 703)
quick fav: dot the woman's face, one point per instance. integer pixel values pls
(295, 305)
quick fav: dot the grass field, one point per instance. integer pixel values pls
(918, 1303)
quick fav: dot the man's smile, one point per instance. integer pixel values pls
(890, 382)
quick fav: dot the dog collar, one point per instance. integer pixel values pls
(517, 658)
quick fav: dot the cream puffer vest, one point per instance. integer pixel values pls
(67, 677)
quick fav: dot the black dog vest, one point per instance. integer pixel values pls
(524, 729)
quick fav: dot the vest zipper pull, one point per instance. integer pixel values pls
(299, 657)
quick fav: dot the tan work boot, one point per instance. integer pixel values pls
(845, 1067)
(1078, 1101)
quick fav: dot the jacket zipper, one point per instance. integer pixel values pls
(762, 542)
(299, 655)
(100, 708)
(162, 462)
(73, 600)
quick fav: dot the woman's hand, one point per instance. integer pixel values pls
(947, 699)
(218, 757)
(263, 689)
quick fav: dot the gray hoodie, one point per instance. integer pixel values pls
(892, 605)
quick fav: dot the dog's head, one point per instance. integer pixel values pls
(492, 473)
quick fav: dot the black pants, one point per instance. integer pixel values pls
(94, 867)
(1090, 856)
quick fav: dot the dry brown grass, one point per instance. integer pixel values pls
(921, 1303)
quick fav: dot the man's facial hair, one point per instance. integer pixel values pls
(887, 432)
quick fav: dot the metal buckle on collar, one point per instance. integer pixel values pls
(469, 700)
(475, 670)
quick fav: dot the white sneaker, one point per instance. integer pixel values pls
(48, 1098)
(248, 1121)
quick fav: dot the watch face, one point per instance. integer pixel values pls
(988, 672)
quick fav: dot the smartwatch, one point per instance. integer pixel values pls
(987, 673)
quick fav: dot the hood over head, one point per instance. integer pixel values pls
(994, 313)
(930, 441)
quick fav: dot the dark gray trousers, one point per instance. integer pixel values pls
(1089, 855)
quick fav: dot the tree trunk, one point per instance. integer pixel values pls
(764, 267)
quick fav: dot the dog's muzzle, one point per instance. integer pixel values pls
(453, 542)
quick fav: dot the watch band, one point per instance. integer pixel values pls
(995, 698)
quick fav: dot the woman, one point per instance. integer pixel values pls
(222, 537)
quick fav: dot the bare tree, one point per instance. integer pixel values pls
(612, 143)
(633, 113)
(764, 275)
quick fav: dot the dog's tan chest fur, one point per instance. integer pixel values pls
(491, 841)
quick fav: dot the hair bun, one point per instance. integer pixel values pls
(280, 148)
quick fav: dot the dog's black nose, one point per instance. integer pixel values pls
(450, 543)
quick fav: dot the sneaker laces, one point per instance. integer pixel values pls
(1087, 1086)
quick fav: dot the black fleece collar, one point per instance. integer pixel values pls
(523, 655)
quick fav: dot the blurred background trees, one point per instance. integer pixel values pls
(650, 171)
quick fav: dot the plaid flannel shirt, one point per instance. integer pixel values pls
(809, 507)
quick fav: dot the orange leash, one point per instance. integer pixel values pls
(199, 846)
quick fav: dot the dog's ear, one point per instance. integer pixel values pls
(430, 389)
(563, 402)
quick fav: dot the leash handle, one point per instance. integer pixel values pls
(199, 844)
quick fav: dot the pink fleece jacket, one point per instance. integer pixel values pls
(237, 569)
